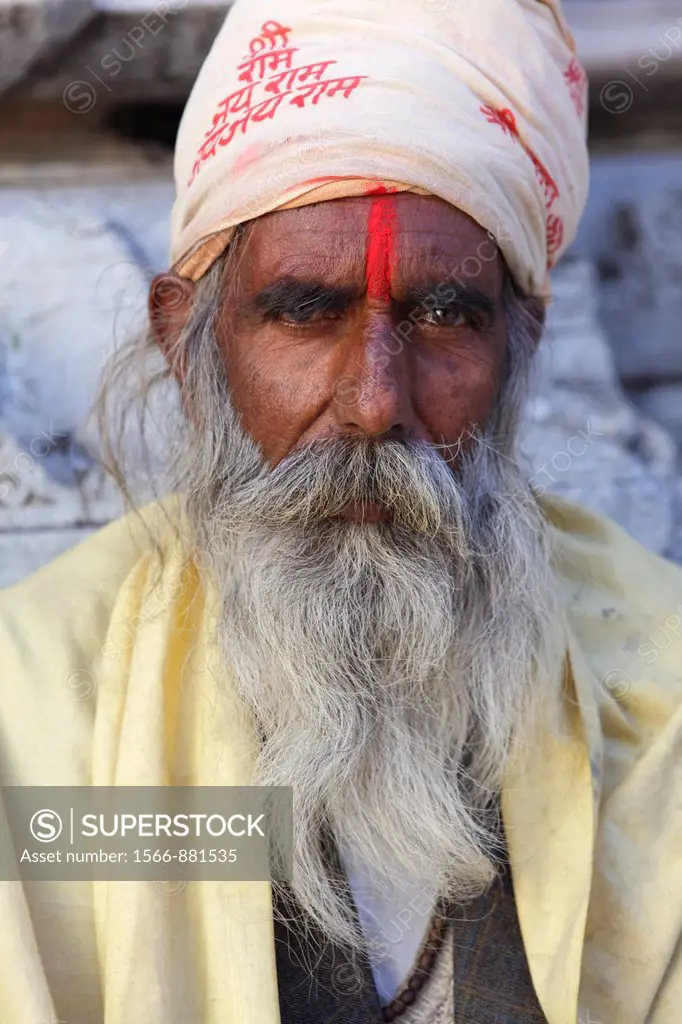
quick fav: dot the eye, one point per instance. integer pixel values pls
(305, 313)
(441, 316)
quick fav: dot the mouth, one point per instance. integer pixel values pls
(372, 512)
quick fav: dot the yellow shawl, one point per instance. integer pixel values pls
(106, 678)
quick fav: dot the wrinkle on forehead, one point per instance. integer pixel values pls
(330, 241)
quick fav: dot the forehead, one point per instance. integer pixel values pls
(427, 238)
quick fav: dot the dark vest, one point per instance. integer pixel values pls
(320, 984)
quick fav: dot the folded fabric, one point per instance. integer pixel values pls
(481, 104)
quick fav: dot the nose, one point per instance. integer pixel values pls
(372, 396)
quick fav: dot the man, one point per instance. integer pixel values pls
(354, 590)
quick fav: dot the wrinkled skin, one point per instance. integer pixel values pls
(316, 336)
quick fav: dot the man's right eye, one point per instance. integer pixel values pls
(307, 312)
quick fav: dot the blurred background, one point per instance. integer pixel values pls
(91, 93)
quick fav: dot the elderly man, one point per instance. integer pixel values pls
(352, 589)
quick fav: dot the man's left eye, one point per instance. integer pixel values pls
(442, 317)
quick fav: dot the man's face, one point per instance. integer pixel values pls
(318, 340)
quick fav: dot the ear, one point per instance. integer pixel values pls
(170, 305)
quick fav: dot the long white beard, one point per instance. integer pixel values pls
(390, 667)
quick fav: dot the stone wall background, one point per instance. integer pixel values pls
(85, 196)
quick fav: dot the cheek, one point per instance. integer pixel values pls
(276, 396)
(458, 394)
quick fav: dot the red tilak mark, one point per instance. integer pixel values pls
(380, 190)
(381, 231)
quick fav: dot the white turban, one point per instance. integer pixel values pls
(479, 102)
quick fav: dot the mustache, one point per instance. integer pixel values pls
(318, 480)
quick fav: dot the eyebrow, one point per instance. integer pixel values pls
(289, 293)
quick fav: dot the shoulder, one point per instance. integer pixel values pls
(624, 608)
(68, 602)
(53, 628)
(616, 591)
(590, 547)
